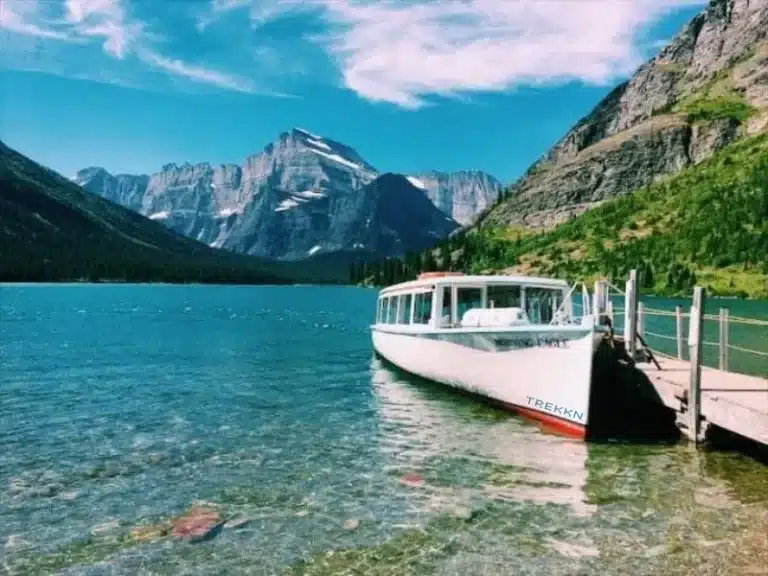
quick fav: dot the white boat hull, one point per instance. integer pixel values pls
(540, 373)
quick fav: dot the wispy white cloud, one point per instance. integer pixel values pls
(103, 19)
(119, 34)
(397, 51)
(196, 73)
(403, 51)
(26, 18)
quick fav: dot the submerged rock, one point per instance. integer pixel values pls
(412, 479)
(462, 512)
(197, 524)
(351, 524)
(105, 527)
(236, 523)
(150, 532)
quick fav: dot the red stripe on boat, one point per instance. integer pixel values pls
(550, 422)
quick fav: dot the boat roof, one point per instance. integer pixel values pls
(486, 279)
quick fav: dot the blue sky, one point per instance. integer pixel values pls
(412, 85)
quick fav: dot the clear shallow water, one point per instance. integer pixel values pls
(122, 405)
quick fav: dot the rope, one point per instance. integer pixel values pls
(704, 342)
(740, 349)
(751, 321)
(657, 312)
(660, 335)
(664, 354)
(716, 317)
(619, 290)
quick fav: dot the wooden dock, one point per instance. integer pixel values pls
(734, 402)
(701, 396)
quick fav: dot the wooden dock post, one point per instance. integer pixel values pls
(600, 298)
(630, 314)
(694, 342)
(679, 322)
(723, 339)
(641, 318)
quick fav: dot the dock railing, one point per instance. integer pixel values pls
(730, 343)
(735, 346)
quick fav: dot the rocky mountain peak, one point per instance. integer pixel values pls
(301, 195)
(92, 172)
(707, 88)
(462, 195)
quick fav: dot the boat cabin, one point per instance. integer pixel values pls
(449, 300)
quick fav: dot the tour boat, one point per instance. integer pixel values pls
(511, 339)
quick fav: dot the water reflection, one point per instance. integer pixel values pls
(563, 506)
(467, 450)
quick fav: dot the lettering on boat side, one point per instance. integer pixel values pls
(531, 342)
(555, 408)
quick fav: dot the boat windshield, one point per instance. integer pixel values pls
(541, 304)
(504, 296)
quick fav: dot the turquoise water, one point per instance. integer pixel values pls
(748, 342)
(122, 405)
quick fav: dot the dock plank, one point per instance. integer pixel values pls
(734, 402)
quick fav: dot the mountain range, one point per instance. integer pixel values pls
(53, 230)
(302, 195)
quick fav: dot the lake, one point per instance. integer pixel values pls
(122, 405)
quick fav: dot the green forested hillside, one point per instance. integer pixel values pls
(707, 225)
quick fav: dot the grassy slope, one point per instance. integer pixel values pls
(711, 219)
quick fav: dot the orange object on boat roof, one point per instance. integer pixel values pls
(425, 275)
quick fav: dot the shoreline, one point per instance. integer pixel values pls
(314, 283)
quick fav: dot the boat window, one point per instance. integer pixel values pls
(422, 304)
(404, 311)
(503, 296)
(540, 304)
(382, 311)
(467, 298)
(392, 310)
(445, 315)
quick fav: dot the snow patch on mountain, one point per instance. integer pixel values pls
(311, 194)
(319, 144)
(416, 182)
(337, 158)
(227, 212)
(308, 133)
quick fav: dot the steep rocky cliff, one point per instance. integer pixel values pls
(302, 195)
(461, 195)
(707, 88)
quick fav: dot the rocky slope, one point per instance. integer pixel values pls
(302, 195)
(461, 195)
(52, 229)
(706, 89)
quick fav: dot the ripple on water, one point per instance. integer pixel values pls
(264, 403)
